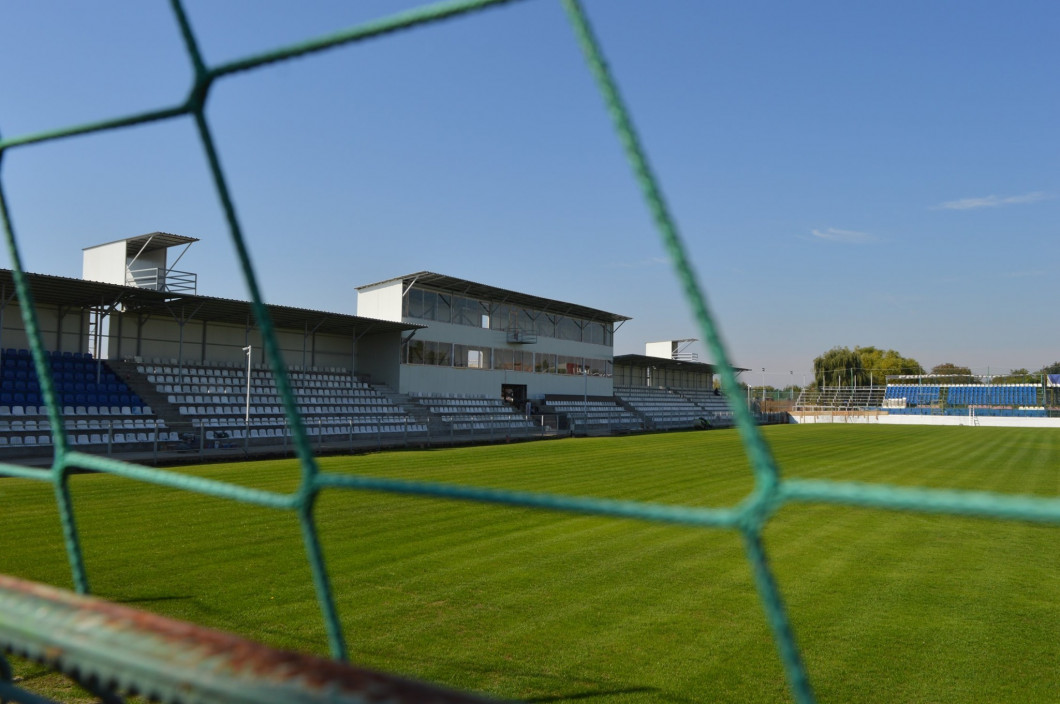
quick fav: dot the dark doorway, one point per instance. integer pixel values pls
(514, 394)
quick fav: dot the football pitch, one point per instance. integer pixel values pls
(549, 607)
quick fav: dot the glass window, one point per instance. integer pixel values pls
(546, 325)
(567, 329)
(415, 303)
(609, 334)
(430, 300)
(439, 354)
(501, 314)
(524, 361)
(598, 367)
(544, 363)
(566, 364)
(426, 352)
(415, 348)
(504, 359)
(443, 309)
(465, 311)
(594, 333)
(471, 357)
(525, 319)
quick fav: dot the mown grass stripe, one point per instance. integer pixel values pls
(887, 606)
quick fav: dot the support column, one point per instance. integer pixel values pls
(141, 320)
(202, 351)
(4, 300)
(60, 313)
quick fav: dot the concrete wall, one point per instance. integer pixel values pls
(379, 356)
(448, 380)
(161, 337)
(74, 329)
(106, 262)
(886, 419)
(626, 375)
(663, 349)
(382, 301)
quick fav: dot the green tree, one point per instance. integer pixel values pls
(956, 374)
(877, 365)
(862, 366)
(1017, 376)
(839, 366)
(1053, 368)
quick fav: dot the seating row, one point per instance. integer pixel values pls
(91, 439)
(377, 411)
(13, 353)
(239, 374)
(78, 411)
(84, 424)
(335, 430)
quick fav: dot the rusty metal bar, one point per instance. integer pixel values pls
(117, 650)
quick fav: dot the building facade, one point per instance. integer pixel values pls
(491, 341)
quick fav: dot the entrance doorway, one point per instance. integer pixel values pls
(514, 394)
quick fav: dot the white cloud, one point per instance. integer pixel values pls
(993, 201)
(845, 236)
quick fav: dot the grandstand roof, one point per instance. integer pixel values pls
(150, 242)
(463, 287)
(61, 290)
(642, 360)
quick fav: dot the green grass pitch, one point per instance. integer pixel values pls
(887, 607)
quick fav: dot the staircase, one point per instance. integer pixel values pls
(643, 417)
(139, 384)
(416, 412)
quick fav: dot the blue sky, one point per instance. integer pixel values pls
(842, 173)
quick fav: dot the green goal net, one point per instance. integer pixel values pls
(749, 517)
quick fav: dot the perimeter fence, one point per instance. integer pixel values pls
(749, 517)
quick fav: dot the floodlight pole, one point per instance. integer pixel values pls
(249, 349)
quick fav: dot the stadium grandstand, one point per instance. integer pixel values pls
(938, 399)
(148, 368)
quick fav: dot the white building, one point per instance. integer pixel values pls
(486, 340)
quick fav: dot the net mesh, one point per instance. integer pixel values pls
(749, 517)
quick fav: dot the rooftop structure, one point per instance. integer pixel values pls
(671, 349)
(140, 261)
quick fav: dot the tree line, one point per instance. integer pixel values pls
(865, 366)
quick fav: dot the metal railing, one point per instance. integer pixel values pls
(521, 337)
(159, 279)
